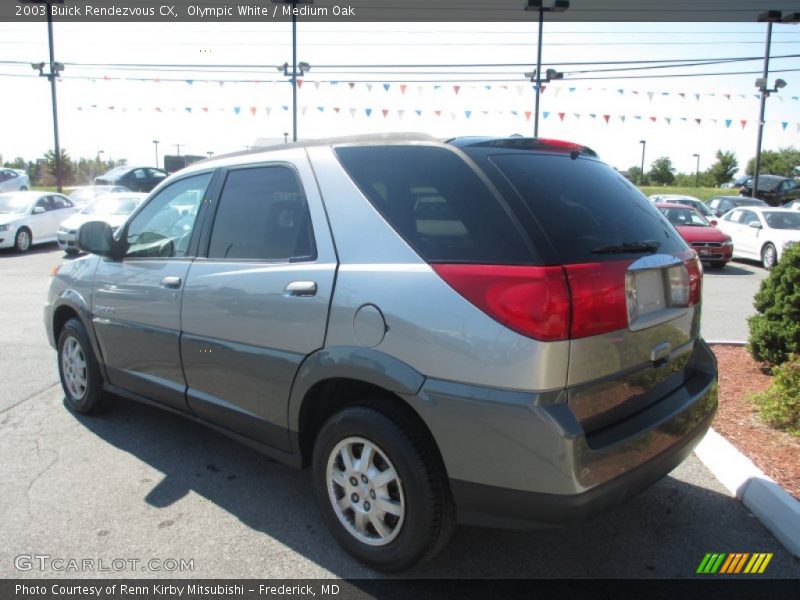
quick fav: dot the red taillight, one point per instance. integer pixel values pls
(533, 301)
(560, 144)
(599, 303)
(695, 279)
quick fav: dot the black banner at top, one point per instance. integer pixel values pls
(166, 11)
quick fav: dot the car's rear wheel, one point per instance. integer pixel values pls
(24, 188)
(23, 240)
(381, 489)
(769, 256)
(79, 371)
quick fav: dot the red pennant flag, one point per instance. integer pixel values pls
(561, 116)
(743, 122)
(438, 113)
(728, 96)
(205, 109)
(351, 84)
(543, 88)
(653, 119)
(456, 88)
(681, 94)
(299, 83)
(253, 110)
(385, 112)
(158, 109)
(336, 109)
(697, 121)
(528, 114)
(403, 87)
(606, 117)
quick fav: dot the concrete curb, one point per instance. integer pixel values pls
(777, 510)
(725, 343)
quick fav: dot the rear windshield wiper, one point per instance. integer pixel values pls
(628, 248)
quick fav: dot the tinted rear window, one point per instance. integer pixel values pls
(437, 203)
(582, 205)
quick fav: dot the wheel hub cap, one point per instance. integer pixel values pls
(73, 366)
(365, 491)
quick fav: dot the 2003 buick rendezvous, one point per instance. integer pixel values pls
(495, 331)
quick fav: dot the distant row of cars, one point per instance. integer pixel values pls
(732, 226)
(28, 218)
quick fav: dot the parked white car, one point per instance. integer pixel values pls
(81, 196)
(114, 209)
(761, 232)
(793, 205)
(13, 180)
(28, 218)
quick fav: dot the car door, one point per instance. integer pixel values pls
(257, 303)
(40, 219)
(136, 300)
(749, 236)
(61, 209)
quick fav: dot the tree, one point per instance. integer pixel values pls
(784, 161)
(661, 171)
(635, 175)
(48, 169)
(724, 169)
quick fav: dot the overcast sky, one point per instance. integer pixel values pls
(199, 113)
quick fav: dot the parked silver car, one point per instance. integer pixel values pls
(499, 332)
(113, 208)
(14, 180)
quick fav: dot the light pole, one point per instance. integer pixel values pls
(285, 137)
(538, 5)
(302, 66)
(155, 143)
(210, 154)
(55, 69)
(696, 170)
(770, 17)
(178, 148)
(641, 175)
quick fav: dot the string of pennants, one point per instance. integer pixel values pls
(607, 118)
(456, 89)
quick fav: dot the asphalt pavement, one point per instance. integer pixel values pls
(138, 484)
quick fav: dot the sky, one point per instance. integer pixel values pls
(120, 111)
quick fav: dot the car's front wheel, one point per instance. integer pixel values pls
(78, 368)
(381, 489)
(23, 240)
(769, 256)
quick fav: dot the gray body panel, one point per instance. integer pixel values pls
(137, 322)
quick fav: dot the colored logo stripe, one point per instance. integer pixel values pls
(734, 563)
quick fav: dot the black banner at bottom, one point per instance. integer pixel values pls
(327, 589)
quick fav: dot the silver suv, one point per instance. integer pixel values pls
(500, 332)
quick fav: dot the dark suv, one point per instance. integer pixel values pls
(491, 331)
(135, 179)
(773, 189)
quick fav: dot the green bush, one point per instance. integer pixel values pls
(780, 404)
(775, 330)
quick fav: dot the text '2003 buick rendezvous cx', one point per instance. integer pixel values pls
(499, 332)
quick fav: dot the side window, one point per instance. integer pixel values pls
(59, 202)
(139, 174)
(735, 216)
(262, 214)
(748, 217)
(163, 228)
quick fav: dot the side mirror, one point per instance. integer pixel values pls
(754, 224)
(38, 210)
(97, 237)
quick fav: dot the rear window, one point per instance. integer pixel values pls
(587, 211)
(437, 203)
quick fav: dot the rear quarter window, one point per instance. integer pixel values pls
(437, 203)
(582, 205)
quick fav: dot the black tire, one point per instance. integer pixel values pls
(89, 397)
(769, 256)
(71, 251)
(718, 264)
(23, 240)
(428, 517)
(24, 188)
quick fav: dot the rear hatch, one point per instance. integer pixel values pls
(634, 284)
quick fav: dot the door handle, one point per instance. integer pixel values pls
(171, 281)
(301, 288)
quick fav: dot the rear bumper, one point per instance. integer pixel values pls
(529, 463)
